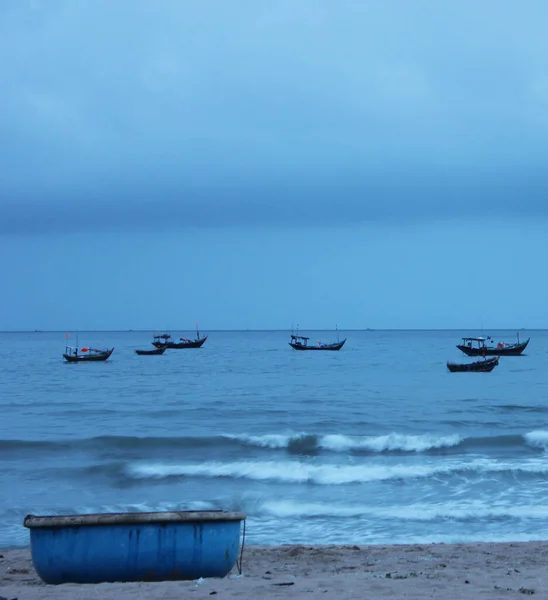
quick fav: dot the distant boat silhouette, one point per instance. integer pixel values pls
(154, 352)
(165, 340)
(300, 342)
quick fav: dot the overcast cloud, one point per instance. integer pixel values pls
(135, 114)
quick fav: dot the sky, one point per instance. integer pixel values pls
(255, 164)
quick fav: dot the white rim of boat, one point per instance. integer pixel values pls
(33, 521)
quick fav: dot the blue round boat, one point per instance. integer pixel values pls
(157, 546)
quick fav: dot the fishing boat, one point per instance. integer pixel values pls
(165, 340)
(154, 352)
(74, 354)
(480, 366)
(300, 342)
(484, 346)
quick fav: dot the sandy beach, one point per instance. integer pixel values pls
(456, 571)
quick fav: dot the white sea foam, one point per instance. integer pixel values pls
(454, 511)
(392, 441)
(265, 441)
(537, 439)
(287, 472)
(345, 443)
(329, 474)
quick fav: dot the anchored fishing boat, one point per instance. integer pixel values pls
(153, 352)
(484, 346)
(480, 366)
(300, 342)
(165, 340)
(74, 354)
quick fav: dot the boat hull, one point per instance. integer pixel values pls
(181, 345)
(155, 352)
(134, 546)
(507, 350)
(88, 358)
(480, 366)
(332, 347)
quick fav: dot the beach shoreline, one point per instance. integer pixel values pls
(455, 571)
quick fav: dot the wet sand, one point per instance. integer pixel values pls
(448, 571)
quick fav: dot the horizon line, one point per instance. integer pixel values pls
(266, 330)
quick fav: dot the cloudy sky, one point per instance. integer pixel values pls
(252, 164)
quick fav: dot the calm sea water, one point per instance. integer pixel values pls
(376, 443)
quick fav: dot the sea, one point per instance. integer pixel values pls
(378, 443)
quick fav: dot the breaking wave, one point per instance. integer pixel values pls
(328, 474)
(298, 443)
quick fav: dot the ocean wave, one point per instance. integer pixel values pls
(489, 443)
(522, 407)
(283, 472)
(33, 445)
(390, 442)
(537, 439)
(109, 442)
(453, 511)
(292, 443)
(346, 443)
(273, 441)
(328, 474)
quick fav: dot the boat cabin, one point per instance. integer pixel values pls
(299, 340)
(163, 337)
(479, 342)
(75, 351)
